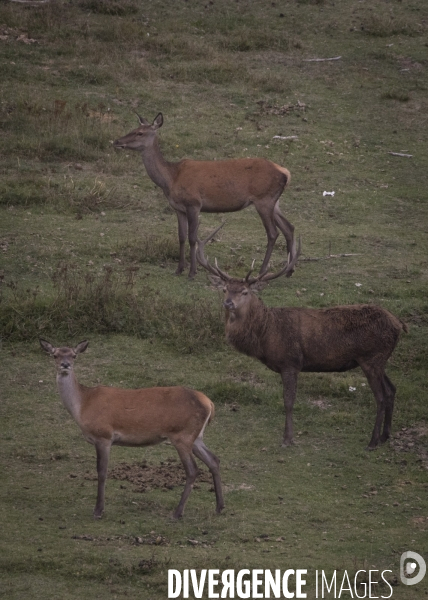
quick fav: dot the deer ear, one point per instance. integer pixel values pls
(47, 347)
(216, 281)
(142, 120)
(81, 347)
(158, 122)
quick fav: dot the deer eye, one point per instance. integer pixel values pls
(244, 292)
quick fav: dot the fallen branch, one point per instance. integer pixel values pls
(310, 258)
(285, 137)
(321, 59)
(400, 154)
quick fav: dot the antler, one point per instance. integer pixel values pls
(247, 277)
(204, 261)
(265, 276)
(288, 267)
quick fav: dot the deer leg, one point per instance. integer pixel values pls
(287, 230)
(182, 236)
(389, 408)
(267, 218)
(103, 452)
(213, 463)
(289, 382)
(375, 377)
(191, 469)
(193, 221)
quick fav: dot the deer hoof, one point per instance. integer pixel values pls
(287, 443)
(371, 448)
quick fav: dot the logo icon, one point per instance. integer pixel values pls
(412, 563)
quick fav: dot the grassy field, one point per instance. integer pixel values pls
(88, 250)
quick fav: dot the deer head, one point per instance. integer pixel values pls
(238, 290)
(142, 137)
(64, 357)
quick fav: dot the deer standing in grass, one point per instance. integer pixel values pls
(192, 187)
(291, 340)
(142, 417)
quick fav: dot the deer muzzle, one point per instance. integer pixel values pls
(228, 304)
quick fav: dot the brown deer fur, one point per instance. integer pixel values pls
(143, 417)
(192, 187)
(291, 340)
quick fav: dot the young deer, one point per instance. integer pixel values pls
(192, 186)
(142, 417)
(291, 340)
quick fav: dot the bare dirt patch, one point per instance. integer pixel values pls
(420, 522)
(413, 439)
(247, 377)
(144, 477)
(11, 34)
(320, 403)
(407, 64)
(274, 109)
(150, 539)
(233, 487)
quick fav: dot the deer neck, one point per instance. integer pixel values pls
(245, 328)
(158, 169)
(70, 393)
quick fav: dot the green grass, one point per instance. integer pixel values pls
(89, 247)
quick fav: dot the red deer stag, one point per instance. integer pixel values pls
(142, 417)
(291, 340)
(192, 186)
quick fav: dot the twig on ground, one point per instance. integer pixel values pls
(285, 137)
(321, 59)
(33, 2)
(401, 154)
(314, 258)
